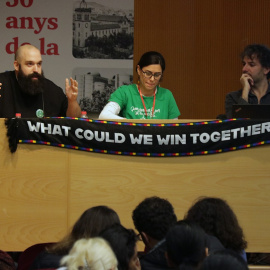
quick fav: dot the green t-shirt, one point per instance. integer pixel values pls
(129, 100)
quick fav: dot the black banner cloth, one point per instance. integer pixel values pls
(136, 139)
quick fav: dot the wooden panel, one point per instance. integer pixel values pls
(45, 189)
(201, 42)
(122, 182)
(33, 195)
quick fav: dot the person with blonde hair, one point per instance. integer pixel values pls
(90, 224)
(93, 253)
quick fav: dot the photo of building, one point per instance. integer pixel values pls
(100, 32)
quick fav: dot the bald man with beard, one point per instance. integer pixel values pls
(25, 90)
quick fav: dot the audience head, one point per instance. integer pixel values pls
(224, 260)
(152, 218)
(123, 243)
(217, 218)
(260, 52)
(186, 245)
(93, 221)
(90, 224)
(94, 253)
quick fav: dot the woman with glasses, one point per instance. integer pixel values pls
(145, 100)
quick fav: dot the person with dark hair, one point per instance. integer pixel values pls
(254, 79)
(90, 224)
(145, 100)
(186, 245)
(216, 218)
(224, 260)
(152, 218)
(123, 243)
(26, 90)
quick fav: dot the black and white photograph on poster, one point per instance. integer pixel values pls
(103, 29)
(97, 84)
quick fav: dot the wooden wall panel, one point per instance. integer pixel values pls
(201, 41)
(33, 195)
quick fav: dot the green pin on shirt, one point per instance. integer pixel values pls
(39, 113)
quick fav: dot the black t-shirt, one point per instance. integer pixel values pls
(52, 101)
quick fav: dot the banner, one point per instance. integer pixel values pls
(140, 139)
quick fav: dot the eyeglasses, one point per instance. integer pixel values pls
(148, 74)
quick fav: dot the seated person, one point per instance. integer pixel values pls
(254, 78)
(90, 224)
(153, 217)
(94, 253)
(123, 243)
(224, 260)
(145, 100)
(26, 91)
(186, 246)
(217, 218)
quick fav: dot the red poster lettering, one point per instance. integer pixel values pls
(24, 3)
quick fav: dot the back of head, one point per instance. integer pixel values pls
(154, 216)
(152, 58)
(123, 242)
(186, 245)
(90, 224)
(93, 221)
(224, 260)
(216, 218)
(94, 253)
(259, 51)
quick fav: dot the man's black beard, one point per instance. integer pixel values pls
(30, 86)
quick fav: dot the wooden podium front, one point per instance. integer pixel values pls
(44, 189)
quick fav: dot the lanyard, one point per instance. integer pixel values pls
(154, 102)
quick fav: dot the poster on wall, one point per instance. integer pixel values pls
(101, 31)
(91, 41)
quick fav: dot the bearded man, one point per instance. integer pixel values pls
(26, 91)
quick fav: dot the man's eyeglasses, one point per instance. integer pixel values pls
(148, 74)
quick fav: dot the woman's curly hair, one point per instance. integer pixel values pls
(217, 218)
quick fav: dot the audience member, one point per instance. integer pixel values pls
(25, 90)
(123, 242)
(186, 245)
(152, 218)
(224, 260)
(145, 100)
(216, 217)
(94, 253)
(254, 78)
(90, 224)
(6, 262)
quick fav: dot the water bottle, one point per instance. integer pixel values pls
(84, 115)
